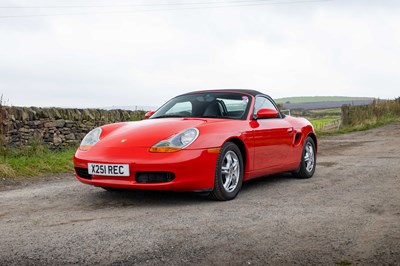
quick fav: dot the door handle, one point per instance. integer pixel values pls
(290, 130)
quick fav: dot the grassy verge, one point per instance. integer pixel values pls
(362, 126)
(34, 161)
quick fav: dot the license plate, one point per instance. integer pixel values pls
(108, 169)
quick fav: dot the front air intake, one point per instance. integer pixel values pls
(154, 177)
(83, 173)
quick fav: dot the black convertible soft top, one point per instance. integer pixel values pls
(252, 92)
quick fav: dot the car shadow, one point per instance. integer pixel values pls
(100, 198)
(135, 198)
(266, 182)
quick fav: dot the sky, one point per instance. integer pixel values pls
(98, 53)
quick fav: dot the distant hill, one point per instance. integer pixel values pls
(321, 102)
(324, 105)
(313, 99)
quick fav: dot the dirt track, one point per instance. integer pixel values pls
(348, 212)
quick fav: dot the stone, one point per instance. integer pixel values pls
(70, 136)
(43, 113)
(57, 140)
(34, 123)
(38, 134)
(80, 136)
(66, 131)
(31, 113)
(69, 123)
(23, 130)
(57, 113)
(24, 115)
(60, 123)
(50, 124)
(87, 114)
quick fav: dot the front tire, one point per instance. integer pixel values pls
(308, 160)
(228, 173)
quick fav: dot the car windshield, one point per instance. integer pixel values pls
(227, 105)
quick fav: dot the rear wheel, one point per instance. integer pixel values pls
(228, 174)
(308, 160)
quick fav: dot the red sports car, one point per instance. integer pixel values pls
(204, 141)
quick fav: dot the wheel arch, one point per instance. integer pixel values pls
(243, 150)
(314, 138)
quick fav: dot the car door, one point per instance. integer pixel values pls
(273, 137)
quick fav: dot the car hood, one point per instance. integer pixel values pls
(146, 133)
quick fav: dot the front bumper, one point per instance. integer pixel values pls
(194, 170)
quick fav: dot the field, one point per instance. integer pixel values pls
(320, 119)
(320, 123)
(326, 112)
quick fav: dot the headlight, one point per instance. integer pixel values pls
(176, 142)
(90, 139)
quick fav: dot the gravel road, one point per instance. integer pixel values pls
(349, 212)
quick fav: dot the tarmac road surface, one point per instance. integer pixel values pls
(349, 212)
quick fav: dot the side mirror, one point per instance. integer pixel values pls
(267, 113)
(148, 114)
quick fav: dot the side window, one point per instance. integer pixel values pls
(235, 108)
(262, 102)
(180, 107)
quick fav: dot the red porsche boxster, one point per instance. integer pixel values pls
(204, 141)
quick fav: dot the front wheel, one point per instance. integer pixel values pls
(308, 160)
(228, 173)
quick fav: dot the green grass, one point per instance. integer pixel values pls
(309, 99)
(362, 127)
(370, 125)
(319, 123)
(34, 161)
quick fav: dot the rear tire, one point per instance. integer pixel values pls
(228, 173)
(308, 160)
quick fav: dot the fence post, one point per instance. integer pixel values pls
(345, 115)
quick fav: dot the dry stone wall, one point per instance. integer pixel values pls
(56, 127)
